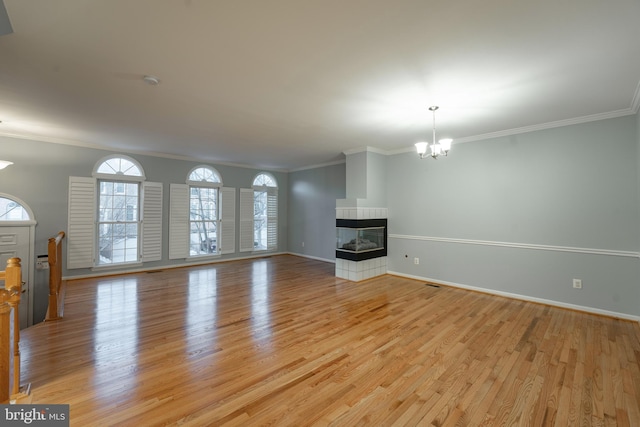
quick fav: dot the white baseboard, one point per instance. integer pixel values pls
(332, 261)
(112, 272)
(523, 297)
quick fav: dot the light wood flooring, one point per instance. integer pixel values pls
(281, 341)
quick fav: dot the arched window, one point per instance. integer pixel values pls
(265, 212)
(118, 225)
(206, 175)
(12, 210)
(201, 216)
(119, 165)
(115, 216)
(264, 179)
(204, 210)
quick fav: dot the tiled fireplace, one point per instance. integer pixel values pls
(361, 243)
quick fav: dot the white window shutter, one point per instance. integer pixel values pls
(179, 221)
(227, 227)
(246, 220)
(81, 222)
(151, 221)
(272, 219)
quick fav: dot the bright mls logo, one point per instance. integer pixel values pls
(34, 415)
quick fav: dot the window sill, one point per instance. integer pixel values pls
(198, 257)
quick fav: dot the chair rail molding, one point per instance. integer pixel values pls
(592, 251)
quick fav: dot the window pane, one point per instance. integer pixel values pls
(118, 222)
(259, 220)
(203, 215)
(260, 204)
(119, 165)
(12, 211)
(203, 238)
(204, 174)
(203, 203)
(265, 219)
(264, 179)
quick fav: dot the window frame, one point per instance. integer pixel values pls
(209, 181)
(120, 188)
(128, 171)
(25, 208)
(265, 185)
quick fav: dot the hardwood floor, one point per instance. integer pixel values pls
(281, 341)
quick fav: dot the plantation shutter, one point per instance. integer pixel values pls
(227, 220)
(246, 220)
(151, 221)
(272, 219)
(178, 221)
(81, 222)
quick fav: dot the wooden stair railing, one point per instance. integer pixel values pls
(56, 286)
(10, 337)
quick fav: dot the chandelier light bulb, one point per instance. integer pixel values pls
(441, 147)
(422, 149)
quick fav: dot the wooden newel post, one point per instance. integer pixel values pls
(54, 252)
(5, 336)
(53, 284)
(13, 285)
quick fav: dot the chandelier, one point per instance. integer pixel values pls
(441, 147)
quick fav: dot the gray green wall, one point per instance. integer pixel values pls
(525, 214)
(521, 215)
(312, 210)
(40, 177)
(366, 179)
(638, 188)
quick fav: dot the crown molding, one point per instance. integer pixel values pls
(320, 165)
(549, 125)
(543, 126)
(75, 143)
(366, 149)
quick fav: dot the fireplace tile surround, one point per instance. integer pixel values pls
(361, 270)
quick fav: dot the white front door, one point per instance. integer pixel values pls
(14, 242)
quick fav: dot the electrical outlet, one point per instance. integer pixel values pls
(303, 244)
(416, 261)
(577, 283)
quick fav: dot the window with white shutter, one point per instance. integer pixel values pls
(202, 216)
(114, 217)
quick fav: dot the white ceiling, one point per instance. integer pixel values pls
(285, 84)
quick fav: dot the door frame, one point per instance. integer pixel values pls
(29, 269)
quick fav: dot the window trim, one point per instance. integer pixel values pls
(263, 186)
(217, 185)
(119, 176)
(203, 183)
(30, 221)
(270, 191)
